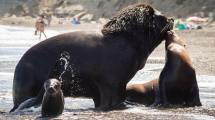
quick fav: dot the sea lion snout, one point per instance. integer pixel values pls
(51, 90)
(52, 86)
(172, 37)
(170, 21)
(169, 25)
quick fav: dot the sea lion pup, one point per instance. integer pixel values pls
(177, 81)
(53, 99)
(142, 93)
(56, 72)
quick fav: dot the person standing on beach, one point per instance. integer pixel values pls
(40, 26)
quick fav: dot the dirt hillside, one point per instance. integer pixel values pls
(103, 8)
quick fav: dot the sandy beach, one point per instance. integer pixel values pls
(17, 28)
(200, 45)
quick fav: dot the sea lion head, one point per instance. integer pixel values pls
(172, 37)
(52, 86)
(143, 25)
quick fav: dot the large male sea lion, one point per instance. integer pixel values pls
(53, 99)
(177, 81)
(102, 63)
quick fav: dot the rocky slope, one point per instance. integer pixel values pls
(102, 8)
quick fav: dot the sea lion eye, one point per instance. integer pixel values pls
(57, 86)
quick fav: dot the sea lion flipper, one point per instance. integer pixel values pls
(35, 101)
(27, 104)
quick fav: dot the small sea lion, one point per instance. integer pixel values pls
(177, 81)
(142, 93)
(53, 99)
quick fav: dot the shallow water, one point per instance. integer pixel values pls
(14, 41)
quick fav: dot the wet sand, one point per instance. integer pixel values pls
(137, 113)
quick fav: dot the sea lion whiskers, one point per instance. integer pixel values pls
(169, 25)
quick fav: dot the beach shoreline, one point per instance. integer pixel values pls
(200, 43)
